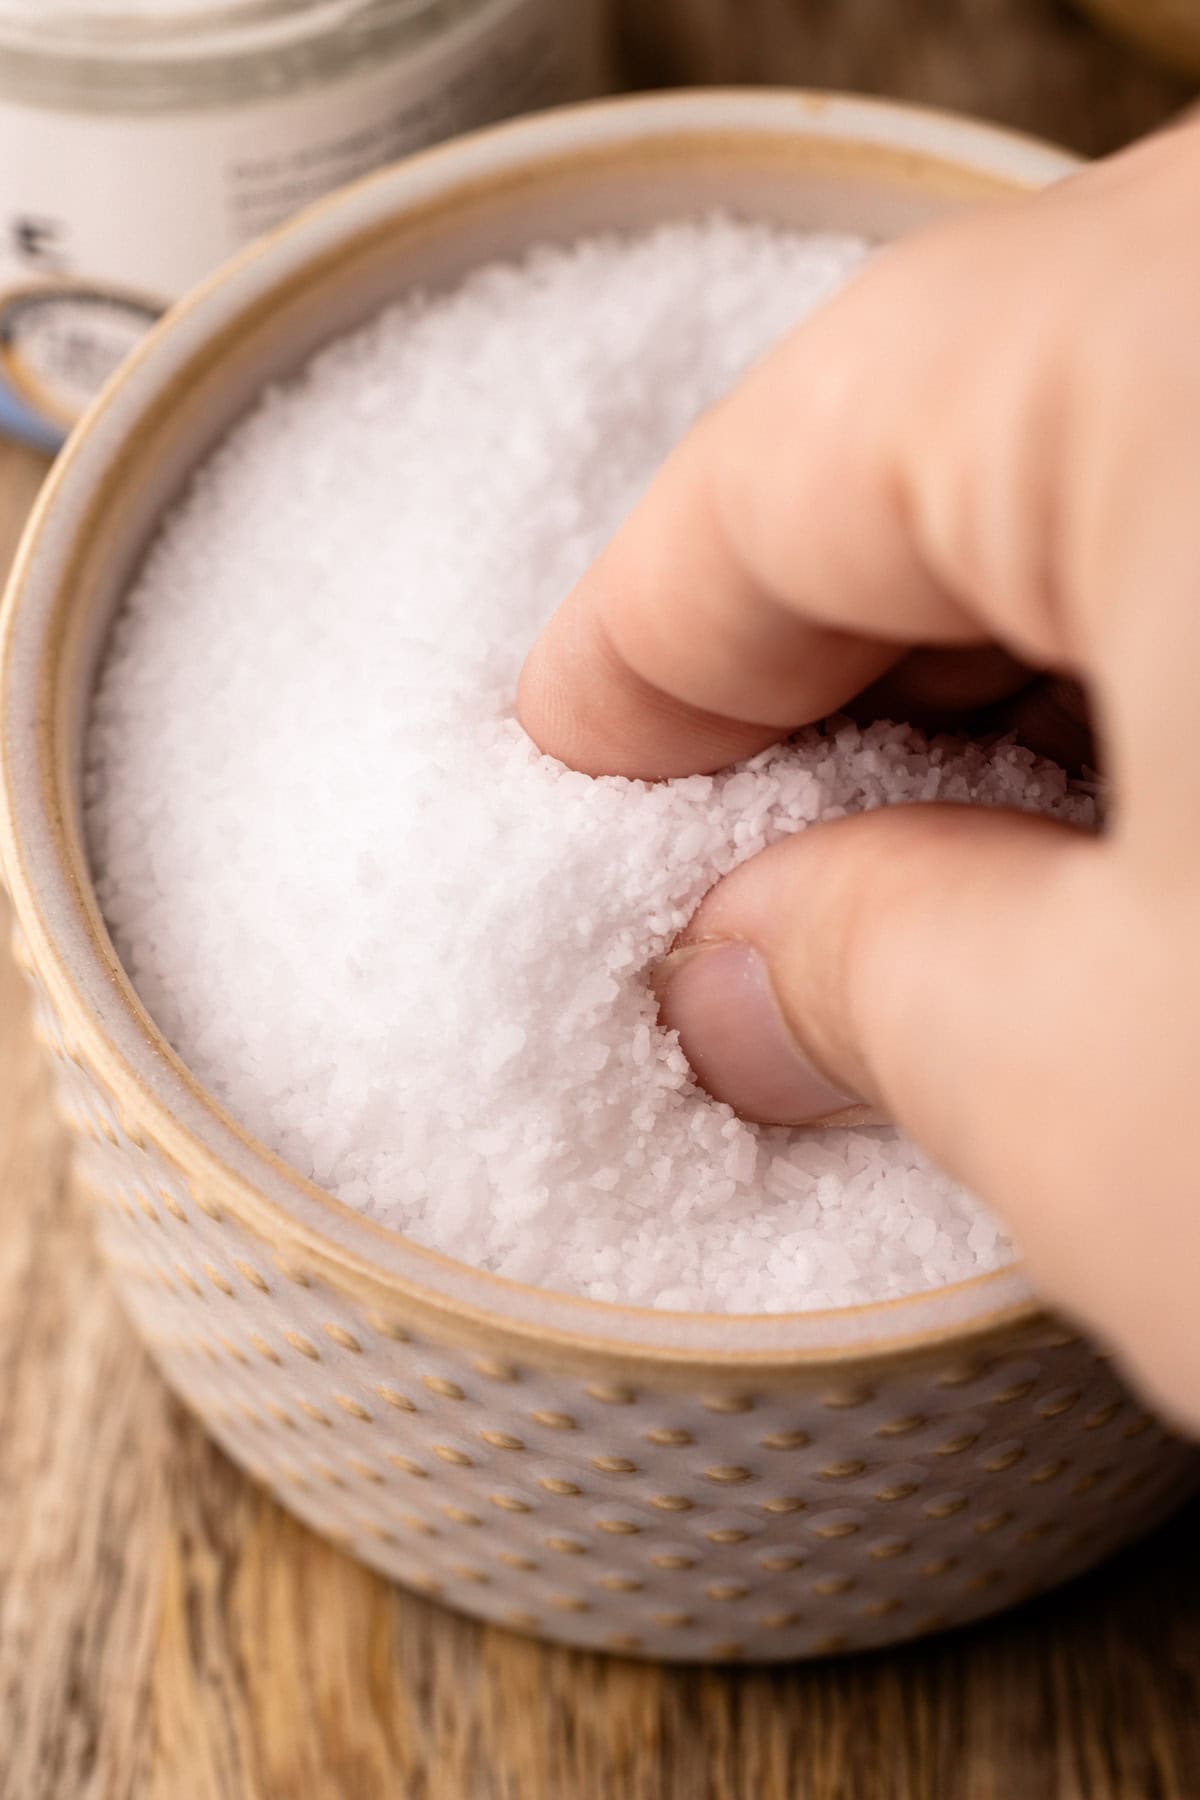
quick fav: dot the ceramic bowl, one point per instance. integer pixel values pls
(664, 1484)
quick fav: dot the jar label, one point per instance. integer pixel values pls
(105, 218)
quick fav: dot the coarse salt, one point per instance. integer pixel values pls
(397, 943)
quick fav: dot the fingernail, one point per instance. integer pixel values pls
(719, 998)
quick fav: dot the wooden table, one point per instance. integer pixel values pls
(1038, 65)
(167, 1632)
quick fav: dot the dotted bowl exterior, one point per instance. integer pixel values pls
(702, 1522)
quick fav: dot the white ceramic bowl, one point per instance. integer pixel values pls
(667, 1484)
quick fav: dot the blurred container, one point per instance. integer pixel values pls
(143, 141)
(1169, 29)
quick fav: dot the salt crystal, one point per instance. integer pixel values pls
(691, 841)
(981, 1237)
(500, 1045)
(742, 1158)
(921, 1235)
(406, 950)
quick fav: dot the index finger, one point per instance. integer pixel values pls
(771, 570)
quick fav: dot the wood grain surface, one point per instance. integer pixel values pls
(167, 1632)
(1038, 65)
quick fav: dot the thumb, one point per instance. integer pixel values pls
(901, 959)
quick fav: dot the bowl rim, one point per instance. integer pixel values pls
(157, 1099)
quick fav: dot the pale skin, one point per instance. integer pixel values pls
(990, 442)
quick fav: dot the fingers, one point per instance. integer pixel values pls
(582, 700)
(993, 983)
(988, 438)
(767, 576)
(928, 962)
(894, 959)
(960, 449)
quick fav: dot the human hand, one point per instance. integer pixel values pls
(986, 451)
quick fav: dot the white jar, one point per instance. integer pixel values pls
(143, 141)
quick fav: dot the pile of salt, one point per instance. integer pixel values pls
(394, 941)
